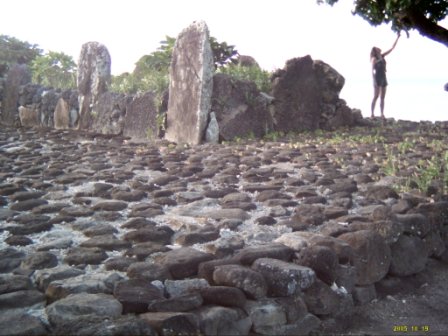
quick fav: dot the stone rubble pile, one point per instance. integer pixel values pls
(103, 235)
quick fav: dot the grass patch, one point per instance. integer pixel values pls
(428, 175)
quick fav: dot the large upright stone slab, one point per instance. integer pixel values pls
(108, 113)
(191, 85)
(18, 75)
(62, 114)
(142, 121)
(93, 79)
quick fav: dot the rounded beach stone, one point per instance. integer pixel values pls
(40, 260)
(409, 256)
(18, 240)
(372, 255)
(136, 294)
(76, 306)
(85, 255)
(284, 278)
(250, 282)
(322, 260)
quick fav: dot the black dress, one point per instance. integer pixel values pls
(379, 73)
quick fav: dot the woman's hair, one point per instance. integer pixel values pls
(374, 52)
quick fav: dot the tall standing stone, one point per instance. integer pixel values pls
(65, 113)
(18, 75)
(191, 85)
(62, 114)
(93, 79)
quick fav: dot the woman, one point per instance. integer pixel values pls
(379, 75)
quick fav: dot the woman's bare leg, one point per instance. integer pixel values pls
(382, 98)
(376, 93)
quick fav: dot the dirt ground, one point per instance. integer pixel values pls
(419, 308)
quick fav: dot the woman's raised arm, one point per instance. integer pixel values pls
(393, 47)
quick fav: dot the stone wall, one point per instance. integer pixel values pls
(17, 76)
(202, 106)
(38, 106)
(112, 114)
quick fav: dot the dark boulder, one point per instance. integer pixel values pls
(136, 294)
(306, 96)
(239, 107)
(372, 255)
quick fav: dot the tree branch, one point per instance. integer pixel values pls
(426, 27)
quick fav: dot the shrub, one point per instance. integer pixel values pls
(254, 73)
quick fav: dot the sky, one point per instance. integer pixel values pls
(270, 31)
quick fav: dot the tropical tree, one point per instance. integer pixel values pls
(422, 15)
(151, 71)
(54, 69)
(158, 60)
(14, 51)
(223, 53)
(124, 83)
